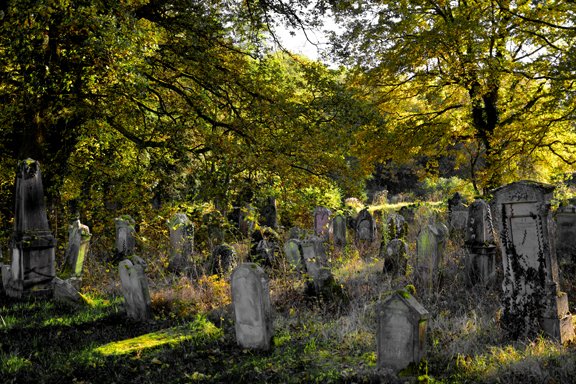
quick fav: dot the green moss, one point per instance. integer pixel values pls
(419, 370)
(411, 289)
(403, 293)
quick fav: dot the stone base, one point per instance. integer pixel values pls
(561, 330)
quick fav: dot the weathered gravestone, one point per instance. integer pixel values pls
(320, 282)
(125, 240)
(395, 228)
(408, 213)
(457, 212)
(251, 301)
(530, 283)
(32, 246)
(401, 332)
(293, 252)
(265, 245)
(296, 233)
(269, 214)
(69, 294)
(222, 259)
(246, 219)
(395, 255)
(76, 251)
(182, 242)
(480, 245)
(430, 246)
(322, 223)
(135, 290)
(365, 227)
(339, 230)
(566, 232)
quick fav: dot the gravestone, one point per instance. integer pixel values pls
(396, 227)
(430, 246)
(322, 223)
(480, 244)
(408, 213)
(530, 284)
(566, 235)
(135, 290)
(222, 259)
(32, 245)
(269, 214)
(67, 293)
(76, 251)
(339, 230)
(401, 332)
(365, 227)
(182, 242)
(320, 282)
(246, 220)
(457, 212)
(293, 252)
(5, 275)
(251, 302)
(296, 233)
(125, 240)
(395, 255)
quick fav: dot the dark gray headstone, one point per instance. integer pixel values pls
(566, 232)
(365, 227)
(246, 220)
(269, 214)
(76, 251)
(135, 290)
(395, 255)
(125, 240)
(182, 242)
(293, 252)
(223, 257)
(480, 245)
(339, 230)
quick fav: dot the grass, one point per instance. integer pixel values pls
(192, 339)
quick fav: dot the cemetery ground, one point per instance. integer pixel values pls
(191, 337)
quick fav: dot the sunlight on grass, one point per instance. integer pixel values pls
(197, 330)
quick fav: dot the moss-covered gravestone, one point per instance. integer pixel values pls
(251, 301)
(395, 255)
(532, 299)
(76, 251)
(182, 242)
(401, 334)
(339, 230)
(480, 245)
(223, 256)
(395, 228)
(430, 245)
(566, 235)
(293, 252)
(322, 222)
(32, 245)
(125, 240)
(135, 290)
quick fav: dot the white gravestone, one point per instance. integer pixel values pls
(530, 285)
(251, 301)
(135, 290)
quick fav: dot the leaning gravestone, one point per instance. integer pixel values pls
(566, 232)
(339, 230)
(365, 227)
(76, 251)
(395, 255)
(430, 246)
(67, 293)
(251, 301)
(531, 292)
(182, 242)
(480, 243)
(269, 214)
(322, 223)
(293, 252)
(135, 290)
(125, 240)
(401, 332)
(32, 246)
(223, 256)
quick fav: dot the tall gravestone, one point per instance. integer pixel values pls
(32, 245)
(182, 242)
(395, 255)
(480, 245)
(365, 227)
(339, 230)
(246, 219)
(531, 291)
(76, 251)
(430, 246)
(269, 213)
(251, 301)
(401, 332)
(135, 290)
(293, 252)
(125, 240)
(322, 223)
(566, 235)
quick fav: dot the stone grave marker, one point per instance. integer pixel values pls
(430, 246)
(125, 240)
(223, 256)
(339, 230)
(365, 227)
(322, 223)
(480, 244)
(67, 293)
(32, 245)
(457, 212)
(320, 282)
(246, 220)
(401, 333)
(76, 251)
(566, 235)
(296, 233)
(395, 255)
(182, 242)
(408, 213)
(251, 301)
(530, 283)
(395, 228)
(269, 214)
(293, 252)
(135, 290)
